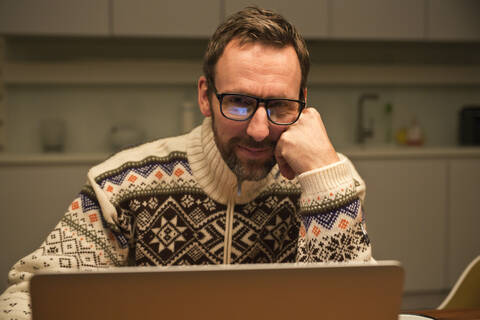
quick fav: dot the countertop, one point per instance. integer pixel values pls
(354, 153)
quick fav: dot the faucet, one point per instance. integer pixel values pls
(362, 132)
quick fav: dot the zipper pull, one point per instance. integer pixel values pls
(132, 243)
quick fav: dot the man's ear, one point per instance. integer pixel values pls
(203, 99)
(305, 95)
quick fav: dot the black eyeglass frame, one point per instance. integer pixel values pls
(220, 97)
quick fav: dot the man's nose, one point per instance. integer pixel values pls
(258, 126)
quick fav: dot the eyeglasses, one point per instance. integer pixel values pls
(240, 107)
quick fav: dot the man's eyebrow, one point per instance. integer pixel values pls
(242, 92)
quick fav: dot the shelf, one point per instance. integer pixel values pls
(103, 72)
(91, 159)
(354, 153)
(171, 72)
(395, 152)
(428, 75)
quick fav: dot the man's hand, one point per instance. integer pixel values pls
(304, 146)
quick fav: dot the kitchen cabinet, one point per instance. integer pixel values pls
(170, 18)
(406, 216)
(464, 215)
(54, 17)
(421, 208)
(310, 17)
(443, 20)
(377, 19)
(33, 198)
(453, 20)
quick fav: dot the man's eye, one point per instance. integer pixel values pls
(284, 105)
(278, 104)
(238, 111)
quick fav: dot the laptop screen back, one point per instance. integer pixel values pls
(234, 292)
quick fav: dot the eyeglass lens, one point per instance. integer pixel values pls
(239, 107)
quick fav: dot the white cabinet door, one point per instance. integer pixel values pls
(309, 17)
(33, 199)
(168, 18)
(464, 215)
(454, 20)
(54, 17)
(377, 19)
(406, 216)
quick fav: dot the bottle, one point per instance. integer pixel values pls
(401, 136)
(415, 134)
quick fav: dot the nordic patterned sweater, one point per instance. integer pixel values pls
(174, 201)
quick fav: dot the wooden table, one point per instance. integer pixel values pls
(468, 314)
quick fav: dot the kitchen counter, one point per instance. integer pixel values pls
(395, 152)
(51, 158)
(354, 153)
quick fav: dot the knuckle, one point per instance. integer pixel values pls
(314, 112)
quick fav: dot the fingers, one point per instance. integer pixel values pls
(312, 114)
(284, 167)
(304, 146)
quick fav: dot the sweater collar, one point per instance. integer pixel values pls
(213, 174)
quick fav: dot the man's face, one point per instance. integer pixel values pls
(257, 70)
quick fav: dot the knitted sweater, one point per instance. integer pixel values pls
(174, 201)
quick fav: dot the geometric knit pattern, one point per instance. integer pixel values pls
(187, 229)
(145, 170)
(328, 220)
(80, 240)
(333, 199)
(163, 217)
(177, 227)
(336, 236)
(170, 221)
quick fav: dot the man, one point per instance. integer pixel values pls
(216, 195)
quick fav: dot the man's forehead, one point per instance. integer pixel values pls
(260, 70)
(251, 53)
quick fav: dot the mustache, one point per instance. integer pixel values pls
(251, 143)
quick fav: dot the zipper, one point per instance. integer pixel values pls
(229, 229)
(132, 244)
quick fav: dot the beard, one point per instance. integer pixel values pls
(244, 170)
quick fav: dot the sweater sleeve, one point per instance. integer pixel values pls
(331, 212)
(80, 241)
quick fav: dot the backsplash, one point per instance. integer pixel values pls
(435, 108)
(91, 111)
(149, 99)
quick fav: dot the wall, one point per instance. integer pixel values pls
(91, 111)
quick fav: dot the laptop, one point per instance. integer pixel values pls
(231, 292)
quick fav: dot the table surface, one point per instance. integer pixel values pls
(464, 314)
